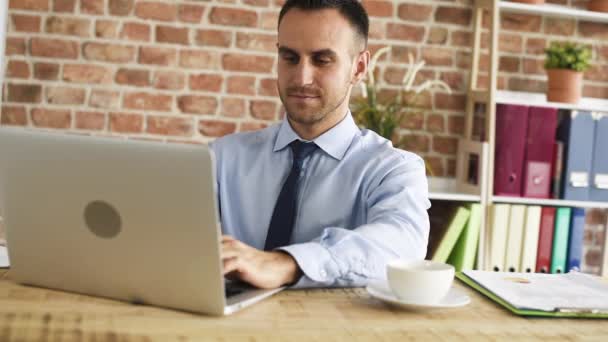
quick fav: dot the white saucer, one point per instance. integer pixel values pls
(453, 299)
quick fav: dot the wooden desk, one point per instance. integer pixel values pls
(28, 313)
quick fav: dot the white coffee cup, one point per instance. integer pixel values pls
(419, 281)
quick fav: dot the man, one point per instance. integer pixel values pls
(335, 214)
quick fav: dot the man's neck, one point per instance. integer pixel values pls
(310, 132)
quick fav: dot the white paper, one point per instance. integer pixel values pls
(4, 257)
(545, 292)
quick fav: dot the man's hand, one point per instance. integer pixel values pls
(259, 268)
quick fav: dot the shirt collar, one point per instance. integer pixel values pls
(334, 142)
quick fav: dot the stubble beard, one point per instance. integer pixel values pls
(311, 119)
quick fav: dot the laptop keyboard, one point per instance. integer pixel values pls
(233, 288)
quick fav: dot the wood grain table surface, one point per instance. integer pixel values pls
(37, 314)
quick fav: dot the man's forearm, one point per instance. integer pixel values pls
(345, 258)
(288, 267)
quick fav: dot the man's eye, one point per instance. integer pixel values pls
(322, 61)
(290, 59)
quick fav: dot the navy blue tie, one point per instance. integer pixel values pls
(283, 216)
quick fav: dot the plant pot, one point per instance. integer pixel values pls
(536, 2)
(564, 85)
(598, 5)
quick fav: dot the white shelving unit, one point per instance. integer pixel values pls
(552, 10)
(445, 189)
(549, 202)
(453, 196)
(540, 100)
(492, 96)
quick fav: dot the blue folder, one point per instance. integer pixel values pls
(576, 131)
(575, 243)
(599, 172)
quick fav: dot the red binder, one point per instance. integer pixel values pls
(542, 123)
(545, 240)
(511, 130)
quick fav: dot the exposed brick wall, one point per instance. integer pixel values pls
(596, 226)
(196, 70)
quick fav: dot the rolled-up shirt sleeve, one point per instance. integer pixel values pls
(397, 227)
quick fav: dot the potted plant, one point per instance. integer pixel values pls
(598, 5)
(384, 117)
(565, 64)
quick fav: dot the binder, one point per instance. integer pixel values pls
(599, 170)
(560, 240)
(498, 236)
(549, 296)
(545, 240)
(530, 240)
(557, 169)
(576, 131)
(542, 125)
(440, 214)
(575, 241)
(515, 232)
(604, 268)
(463, 255)
(457, 224)
(511, 129)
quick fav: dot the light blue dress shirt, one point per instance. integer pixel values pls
(361, 202)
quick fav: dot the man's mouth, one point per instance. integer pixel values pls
(303, 96)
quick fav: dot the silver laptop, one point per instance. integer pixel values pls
(131, 220)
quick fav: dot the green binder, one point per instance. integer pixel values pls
(528, 312)
(457, 224)
(463, 254)
(559, 253)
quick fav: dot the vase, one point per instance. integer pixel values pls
(598, 5)
(564, 85)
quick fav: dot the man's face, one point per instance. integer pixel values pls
(317, 53)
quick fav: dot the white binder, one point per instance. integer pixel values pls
(500, 222)
(530, 243)
(517, 215)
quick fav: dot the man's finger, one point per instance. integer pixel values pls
(230, 265)
(226, 243)
(227, 238)
(228, 253)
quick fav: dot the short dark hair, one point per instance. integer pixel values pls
(351, 10)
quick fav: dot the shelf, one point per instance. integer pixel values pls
(452, 196)
(549, 202)
(553, 10)
(445, 189)
(540, 100)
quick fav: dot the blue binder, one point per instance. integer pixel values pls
(575, 243)
(599, 171)
(576, 132)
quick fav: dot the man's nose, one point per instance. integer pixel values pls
(303, 74)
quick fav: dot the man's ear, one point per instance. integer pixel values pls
(361, 65)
